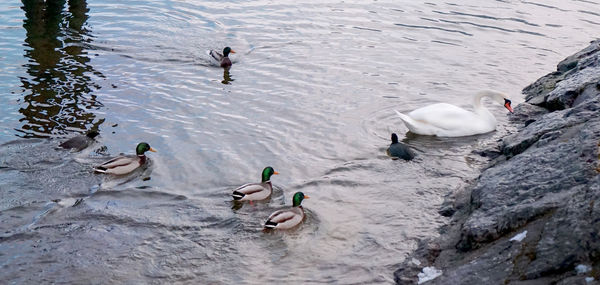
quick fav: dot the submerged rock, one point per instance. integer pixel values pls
(546, 184)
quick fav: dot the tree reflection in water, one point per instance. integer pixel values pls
(59, 89)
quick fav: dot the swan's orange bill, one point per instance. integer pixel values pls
(152, 150)
(306, 197)
(275, 172)
(507, 105)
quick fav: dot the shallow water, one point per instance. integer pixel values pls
(311, 93)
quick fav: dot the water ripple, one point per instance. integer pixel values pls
(434, 28)
(311, 92)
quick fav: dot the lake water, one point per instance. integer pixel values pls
(312, 93)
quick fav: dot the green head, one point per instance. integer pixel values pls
(142, 148)
(227, 50)
(298, 197)
(267, 173)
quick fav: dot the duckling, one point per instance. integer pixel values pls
(125, 164)
(256, 191)
(223, 59)
(399, 150)
(287, 218)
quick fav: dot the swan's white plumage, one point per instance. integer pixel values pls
(446, 120)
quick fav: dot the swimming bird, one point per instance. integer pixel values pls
(446, 120)
(399, 150)
(287, 218)
(80, 142)
(125, 164)
(223, 59)
(256, 191)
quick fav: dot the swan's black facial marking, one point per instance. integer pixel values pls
(507, 105)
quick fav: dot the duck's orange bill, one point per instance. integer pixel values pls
(507, 105)
(275, 172)
(152, 150)
(306, 197)
(232, 51)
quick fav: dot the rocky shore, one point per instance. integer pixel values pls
(533, 215)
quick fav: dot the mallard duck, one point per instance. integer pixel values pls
(223, 59)
(256, 191)
(399, 150)
(446, 120)
(80, 142)
(124, 164)
(287, 218)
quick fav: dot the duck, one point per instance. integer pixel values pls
(447, 120)
(399, 150)
(79, 142)
(287, 218)
(125, 164)
(256, 191)
(223, 59)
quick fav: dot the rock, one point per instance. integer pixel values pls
(545, 182)
(526, 113)
(566, 91)
(408, 273)
(517, 143)
(560, 89)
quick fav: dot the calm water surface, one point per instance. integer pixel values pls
(311, 93)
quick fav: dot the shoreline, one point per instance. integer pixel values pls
(533, 215)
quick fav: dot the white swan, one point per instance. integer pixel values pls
(446, 120)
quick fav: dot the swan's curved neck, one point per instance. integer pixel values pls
(483, 111)
(485, 93)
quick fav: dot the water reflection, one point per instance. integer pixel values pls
(226, 77)
(58, 93)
